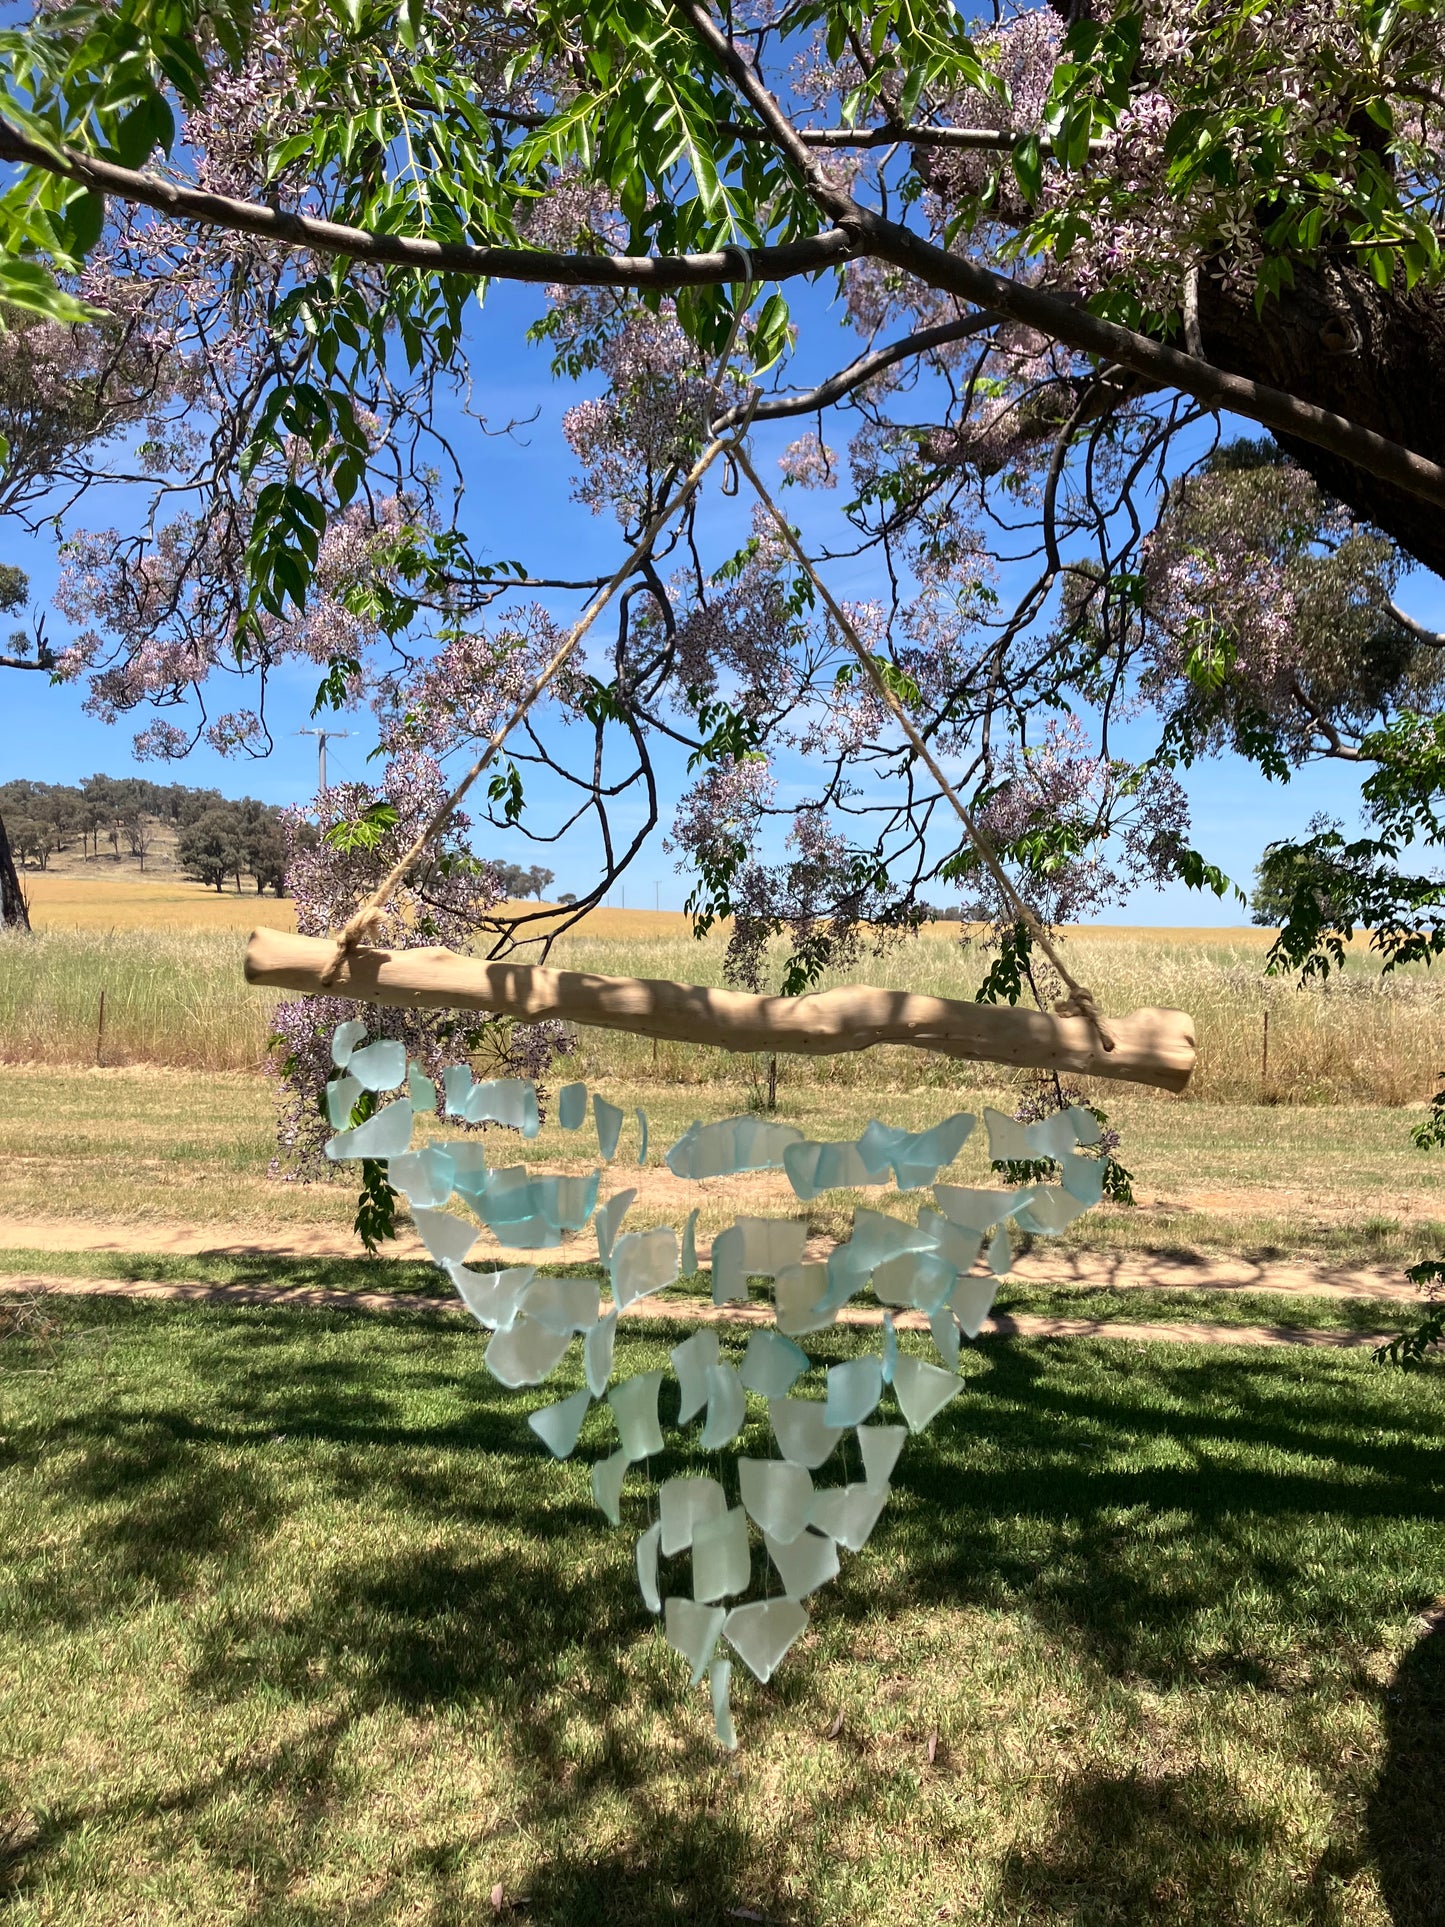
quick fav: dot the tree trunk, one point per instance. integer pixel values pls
(14, 911)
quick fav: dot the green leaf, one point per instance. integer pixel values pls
(27, 285)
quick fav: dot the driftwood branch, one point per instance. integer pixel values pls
(1150, 1046)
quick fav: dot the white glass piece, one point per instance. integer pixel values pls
(562, 1304)
(684, 1505)
(772, 1245)
(1084, 1178)
(972, 1301)
(344, 1041)
(567, 1203)
(772, 1364)
(848, 1513)
(510, 1101)
(387, 1135)
(720, 1679)
(448, 1239)
(687, 1267)
(1049, 1211)
(380, 1066)
(643, 1262)
(803, 1434)
(692, 1630)
(813, 1168)
(634, 1405)
(721, 1560)
(420, 1089)
(1086, 1125)
(944, 1327)
(642, 1128)
(1010, 1142)
(890, 1347)
(854, 1389)
(607, 1477)
(923, 1390)
(804, 1563)
(972, 1208)
(597, 1354)
(525, 1353)
(647, 1567)
(920, 1279)
(798, 1292)
(425, 1178)
(606, 1221)
(572, 1112)
(761, 1633)
(726, 1408)
(692, 1360)
(958, 1246)
(609, 1126)
(456, 1087)
(777, 1496)
(559, 1426)
(730, 1145)
(341, 1096)
(729, 1272)
(1000, 1253)
(880, 1446)
(492, 1297)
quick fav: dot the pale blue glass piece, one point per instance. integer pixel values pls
(380, 1066)
(890, 1347)
(771, 1245)
(813, 1168)
(643, 1262)
(1086, 1125)
(344, 1041)
(387, 1135)
(804, 1563)
(772, 1364)
(606, 1221)
(341, 1096)
(634, 1406)
(559, 1426)
(562, 1304)
(730, 1145)
(597, 1351)
(647, 1567)
(721, 1558)
(726, 1408)
(425, 1178)
(880, 1446)
(529, 1234)
(919, 1279)
(854, 1389)
(1054, 1136)
(642, 1128)
(456, 1088)
(959, 1247)
(448, 1239)
(720, 1679)
(684, 1505)
(778, 1496)
(761, 1633)
(420, 1089)
(494, 1298)
(729, 1271)
(923, 1390)
(1049, 1211)
(568, 1203)
(607, 1477)
(692, 1360)
(609, 1126)
(916, 1157)
(1010, 1142)
(509, 1196)
(971, 1302)
(848, 1513)
(972, 1208)
(692, 1630)
(798, 1292)
(509, 1101)
(803, 1434)
(525, 1353)
(944, 1327)
(469, 1162)
(687, 1268)
(1000, 1253)
(572, 1111)
(1084, 1178)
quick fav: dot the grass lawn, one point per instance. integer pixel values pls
(300, 1627)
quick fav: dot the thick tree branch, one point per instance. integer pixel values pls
(860, 371)
(1432, 638)
(24, 662)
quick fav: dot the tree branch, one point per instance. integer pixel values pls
(1432, 638)
(860, 371)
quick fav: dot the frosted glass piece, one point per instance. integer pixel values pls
(1051, 1137)
(1086, 1125)
(890, 1347)
(572, 1113)
(684, 1505)
(448, 1239)
(425, 1178)
(720, 1679)
(380, 1066)
(344, 1041)
(597, 1354)
(916, 1158)
(1049, 1211)
(608, 1218)
(803, 1434)
(643, 1262)
(974, 1209)
(494, 1298)
(729, 1271)
(420, 1089)
(726, 1408)
(771, 1245)
(634, 1405)
(525, 1353)
(923, 1390)
(958, 1246)
(730, 1145)
(798, 1293)
(642, 1128)
(848, 1513)
(880, 1446)
(559, 1426)
(777, 1496)
(761, 1633)
(854, 1389)
(687, 1267)
(341, 1096)
(607, 1477)
(528, 1234)
(972, 1301)
(804, 1563)
(562, 1304)
(1084, 1178)
(456, 1087)
(692, 1360)
(469, 1161)
(1009, 1142)
(609, 1126)
(509, 1196)
(387, 1135)
(510, 1101)
(692, 1630)
(944, 1327)
(1000, 1253)
(1054, 1136)
(647, 1568)
(721, 1559)
(567, 1203)
(813, 1168)
(772, 1364)
(921, 1279)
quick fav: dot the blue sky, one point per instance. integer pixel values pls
(518, 505)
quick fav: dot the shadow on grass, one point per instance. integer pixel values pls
(1407, 1813)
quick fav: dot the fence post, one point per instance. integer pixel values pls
(1264, 1060)
(100, 1030)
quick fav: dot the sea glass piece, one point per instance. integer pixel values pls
(772, 1364)
(804, 1563)
(848, 1513)
(469, 1162)
(634, 1405)
(692, 1630)
(425, 1178)
(341, 1096)
(880, 1446)
(525, 1353)
(813, 1168)
(684, 1505)
(687, 1267)
(854, 1389)
(971, 1302)
(944, 1327)
(609, 1126)
(729, 1269)
(771, 1245)
(921, 1279)
(1086, 1125)
(692, 1360)
(380, 1066)
(567, 1203)
(456, 1088)
(1049, 1211)
(559, 1426)
(959, 1246)
(777, 1496)
(508, 1196)
(572, 1112)
(761, 1633)
(386, 1135)
(721, 1559)
(642, 1129)
(1084, 1178)
(1010, 1142)
(344, 1041)
(509, 1101)
(803, 1434)
(923, 1390)
(720, 1679)
(730, 1145)
(916, 1157)
(890, 1347)
(726, 1408)
(528, 1234)
(494, 1298)
(797, 1293)
(607, 1219)
(877, 1240)
(1000, 1253)
(420, 1089)
(647, 1567)
(562, 1304)
(448, 1239)
(597, 1353)
(607, 1477)
(972, 1208)
(643, 1262)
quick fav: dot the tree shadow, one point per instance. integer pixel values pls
(1407, 1810)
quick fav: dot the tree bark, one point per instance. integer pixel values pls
(14, 911)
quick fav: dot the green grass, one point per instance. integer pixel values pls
(299, 1627)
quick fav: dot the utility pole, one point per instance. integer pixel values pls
(323, 737)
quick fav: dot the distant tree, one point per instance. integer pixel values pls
(263, 847)
(1276, 879)
(568, 896)
(518, 881)
(209, 849)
